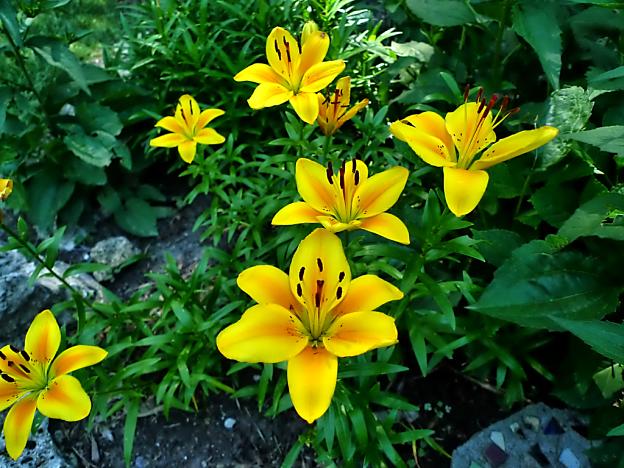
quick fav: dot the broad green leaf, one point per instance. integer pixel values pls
(608, 139)
(533, 288)
(607, 338)
(421, 51)
(5, 97)
(610, 379)
(536, 22)
(616, 431)
(442, 12)
(46, 195)
(589, 218)
(497, 244)
(94, 150)
(138, 217)
(567, 109)
(58, 55)
(609, 80)
(94, 117)
(8, 17)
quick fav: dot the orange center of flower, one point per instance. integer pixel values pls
(344, 185)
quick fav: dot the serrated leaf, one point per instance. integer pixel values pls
(442, 12)
(58, 55)
(94, 117)
(608, 139)
(533, 289)
(537, 23)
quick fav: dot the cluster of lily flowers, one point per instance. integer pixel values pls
(316, 312)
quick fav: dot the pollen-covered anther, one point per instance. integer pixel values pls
(25, 355)
(7, 378)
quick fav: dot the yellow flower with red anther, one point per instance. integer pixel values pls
(6, 187)
(310, 317)
(347, 199)
(334, 108)
(454, 143)
(294, 74)
(32, 379)
(188, 127)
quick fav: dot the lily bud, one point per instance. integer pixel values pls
(308, 29)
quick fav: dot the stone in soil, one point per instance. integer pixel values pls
(535, 437)
(114, 252)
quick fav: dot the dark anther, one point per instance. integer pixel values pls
(320, 264)
(481, 106)
(479, 94)
(342, 173)
(341, 276)
(25, 355)
(356, 178)
(338, 292)
(301, 271)
(279, 54)
(14, 349)
(299, 290)
(466, 91)
(407, 122)
(8, 378)
(353, 165)
(515, 110)
(2, 356)
(505, 103)
(330, 173)
(24, 368)
(287, 46)
(493, 100)
(319, 290)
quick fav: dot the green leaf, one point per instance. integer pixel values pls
(497, 244)
(46, 195)
(138, 217)
(369, 368)
(606, 338)
(589, 218)
(533, 288)
(610, 379)
(568, 110)
(610, 80)
(608, 139)
(616, 431)
(8, 17)
(58, 55)
(94, 117)
(132, 414)
(537, 23)
(442, 12)
(5, 97)
(94, 150)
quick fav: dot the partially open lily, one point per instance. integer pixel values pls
(30, 379)
(310, 318)
(6, 187)
(347, 199)
(294, 73)
(188, 128)
(454, 142)
(334, 108)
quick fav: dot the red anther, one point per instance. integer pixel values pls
(481, 106)
(515, 110)
(479, 94)
(466, 92)
(505, 103)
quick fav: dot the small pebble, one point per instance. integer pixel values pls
(229, 423)
(498, 439)
(533, 422)
(568, 459)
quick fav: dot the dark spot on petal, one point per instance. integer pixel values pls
(341, 276)
(301, 271)
(299, 290)
(339, 292)
(320, 264)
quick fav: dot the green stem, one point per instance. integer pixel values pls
(326, 146)
(524, 188)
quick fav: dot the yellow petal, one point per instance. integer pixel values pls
(208, 136)
(296, 213)
(351, 112)
(187, 111)
(313, 51)
(170, 124)
(312, 378)
(463, 189)
(469, 135)
(319, 259)
(282, 53)
(320, 75)
(17, 426)
(333, 225)
(75, 358)
(427, 136)
(306, 106)
(266, 284)
(313, 185)
(64, 399)
(187, 151)
(259, 73)
(43, 338)
(265, 333)
(367, 293)
(387, 225)
(379, 192)
(9, 393)
(168, 140)
(515, 145)
(355, 333)
(6, 187)
(268, 95)
(207, 116)
(308, 29)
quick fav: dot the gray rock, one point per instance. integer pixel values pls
(113, 252)
(531, 438)
(40, 451)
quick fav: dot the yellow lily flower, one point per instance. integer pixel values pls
(6, 187)
(30, 379)
(347, 200)
(333, 111)
(294, 73)
(188, 128)
(310, 318)
(454, 142)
